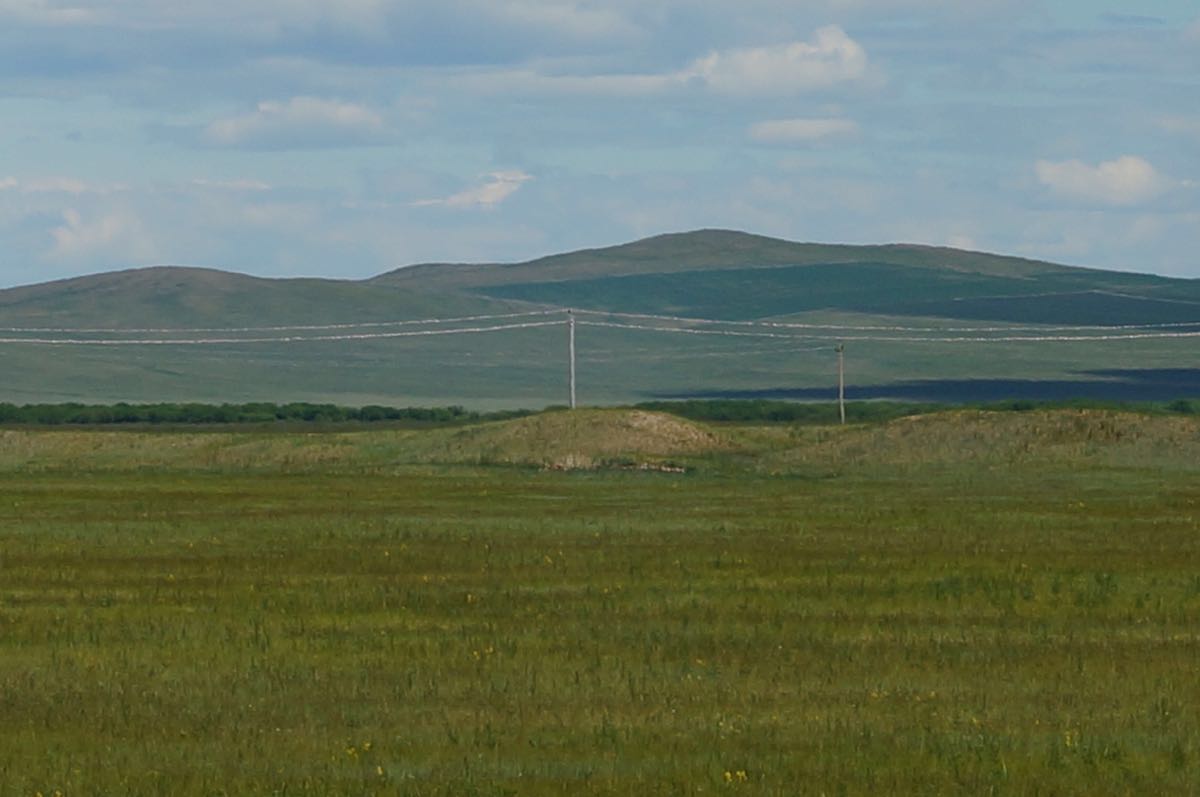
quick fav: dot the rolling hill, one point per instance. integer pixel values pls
(709, 274)
(734, 275)
(704, 250)
(180, 297)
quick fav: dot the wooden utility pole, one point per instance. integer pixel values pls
(571, 352)
(841, 352)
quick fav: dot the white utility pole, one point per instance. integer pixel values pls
(571, 351)
(841, 352)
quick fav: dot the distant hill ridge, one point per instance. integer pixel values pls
(670, 272)
(714, 249)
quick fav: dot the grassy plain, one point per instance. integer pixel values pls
(956, 604)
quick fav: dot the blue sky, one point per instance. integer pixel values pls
(348, 137)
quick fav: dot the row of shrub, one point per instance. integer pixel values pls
(768, 411)
(255, 412)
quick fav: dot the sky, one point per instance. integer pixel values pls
(344, 138)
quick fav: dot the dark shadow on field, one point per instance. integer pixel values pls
(1150, 384)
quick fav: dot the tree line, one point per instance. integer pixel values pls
(253, 412)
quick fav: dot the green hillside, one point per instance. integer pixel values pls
(869, 288)
(734, 275)
(178, 297)
(704, 250)
(709, 273)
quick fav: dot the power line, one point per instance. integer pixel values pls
(1015, 338)
(604, 324)
(284, 328)
(686, 331)
(751, 324)
(277, 339)
(890, 327)
(781, 331)
(899, 338)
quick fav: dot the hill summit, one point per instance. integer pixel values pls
(712, 249)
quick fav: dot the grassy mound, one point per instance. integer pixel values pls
(1097, 437)
(586, 438)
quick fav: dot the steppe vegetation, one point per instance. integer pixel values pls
(963, 602)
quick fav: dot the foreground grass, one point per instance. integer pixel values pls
(455, 630)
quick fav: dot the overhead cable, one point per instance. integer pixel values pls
(284, 328)
(900, 338)
(276, 339)
(886, 328)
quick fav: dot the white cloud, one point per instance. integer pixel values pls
(116, 234)
(832, 58)
(499, 187)
(800, 130)
(1128, 180)
(299, 122)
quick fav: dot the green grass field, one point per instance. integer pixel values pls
(959, 604)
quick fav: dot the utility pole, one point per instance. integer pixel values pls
(841, 352)
(571, 351)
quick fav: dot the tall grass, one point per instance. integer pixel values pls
(450, 630)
